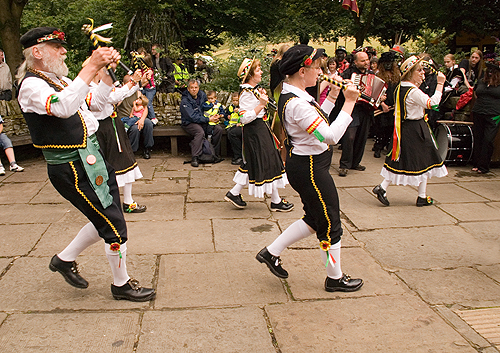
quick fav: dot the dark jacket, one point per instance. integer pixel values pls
(191, 108)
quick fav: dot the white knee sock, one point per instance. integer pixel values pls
(333, 270)
(127, 194)
(385, 184)
(236, 190)
(118, 266)
(275, 196)
(297, 231)
(87, 236)
(422, 189)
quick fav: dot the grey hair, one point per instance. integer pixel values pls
(192, 80)
(29, 62)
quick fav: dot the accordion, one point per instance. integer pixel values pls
(371, 86)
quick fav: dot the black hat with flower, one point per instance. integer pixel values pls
(299, 56)
(41, 35)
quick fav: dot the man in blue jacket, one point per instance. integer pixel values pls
(195, 123)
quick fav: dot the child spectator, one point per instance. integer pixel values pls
(139, 109)
(234, 128)
(6, 144)
(212, 107)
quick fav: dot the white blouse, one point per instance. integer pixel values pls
(417, 101)
(248, 102)
(309, 132)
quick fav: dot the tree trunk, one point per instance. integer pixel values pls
(364, 26)
(10, 23)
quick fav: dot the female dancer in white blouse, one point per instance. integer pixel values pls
(308, 163)
(414, 157)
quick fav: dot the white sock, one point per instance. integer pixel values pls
(385, 184)
(275, 196)
(333, 269)
(87, 236)
(236, 190)
(118, 266)
(127, 194)
(422, 189)
(297, 231)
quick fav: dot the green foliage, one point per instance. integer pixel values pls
(433, 43)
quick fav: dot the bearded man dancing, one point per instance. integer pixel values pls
(61, 124)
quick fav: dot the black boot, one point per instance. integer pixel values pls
(133, 291)
(69, 270)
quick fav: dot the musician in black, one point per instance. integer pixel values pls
(309, 155)
(354, 140)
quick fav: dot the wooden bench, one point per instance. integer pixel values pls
(177, 131)
(159, 131)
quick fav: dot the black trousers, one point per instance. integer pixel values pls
(199, 131)
(484, 129)
(70, 180)
(353, 144)
(235, 137)
(310, 177)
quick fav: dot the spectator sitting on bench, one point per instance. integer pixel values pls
(139, 110)
(212, 107)
(6, 144)
(196, 124)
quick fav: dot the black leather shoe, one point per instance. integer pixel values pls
(218, 159)
(359, 167)
(381, 195)
(283, 206)
(69, 270)
(427, 201)
(194, 162)
(133, 291)
(236, 161)
(273, 262)
(343, 172)
(146, 154)
(343, 284)
(134, 208)
(376, 154)
(237, 201)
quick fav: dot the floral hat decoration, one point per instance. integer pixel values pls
(408, 64)
(41, 35)
(244, 69)
(298, 56)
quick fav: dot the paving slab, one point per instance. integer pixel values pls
(485, 231)
(489, 190)
(4, 262)
(29, 285)
(485, 321)
(19, 193)
(216, 194)
(307, 274)
(149, 166)
(492, 271)
(164, 207)
(207, 179)
(453, 193)
(3, 316)
(216, 330)
(161, 172)
(69, 332)
(39, 213)
(244, 234)
(221, 279)
(464, 286)
(223, 209)
(366, 212)
(36, 172)
(428, 247)
(170, 237)
(48, 194)
(391, 324)
(159, 186)
(468, 212)
(19, 239)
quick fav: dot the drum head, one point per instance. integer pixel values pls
(443, 135)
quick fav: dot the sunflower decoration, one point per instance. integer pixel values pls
(116, 247)
(325, 245)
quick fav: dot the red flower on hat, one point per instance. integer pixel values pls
(59, 34)
(308, 62)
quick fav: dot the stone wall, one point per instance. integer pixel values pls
(166, 109)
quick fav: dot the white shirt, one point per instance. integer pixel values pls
(248, 102)
(109, 96)
(35, 93)
(417, 101)
(301, 117)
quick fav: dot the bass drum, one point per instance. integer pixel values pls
(455, 141)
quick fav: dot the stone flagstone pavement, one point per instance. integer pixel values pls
(432, 274)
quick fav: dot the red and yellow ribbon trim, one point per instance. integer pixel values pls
(88, 99)
(314, 125)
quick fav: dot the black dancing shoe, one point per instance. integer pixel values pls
(273, 262)
(427, 201)
(381, 195)
(283, 206)
(133, 291)
(134, 208)
(69, 270)
(146, 154)
(237, 201)
(343, 284)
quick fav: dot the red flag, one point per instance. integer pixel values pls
(350, 5)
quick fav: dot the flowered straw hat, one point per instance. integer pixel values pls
(244, 69)
(408, 64)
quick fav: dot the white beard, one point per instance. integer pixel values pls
(56, 65)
